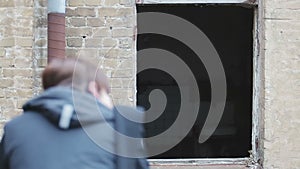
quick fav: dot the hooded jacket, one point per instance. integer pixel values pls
(50, 134)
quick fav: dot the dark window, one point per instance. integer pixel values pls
(230, 29)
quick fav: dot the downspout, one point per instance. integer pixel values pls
(56, 29)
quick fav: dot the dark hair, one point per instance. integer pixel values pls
(75, 73)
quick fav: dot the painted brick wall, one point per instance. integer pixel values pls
(282, 84)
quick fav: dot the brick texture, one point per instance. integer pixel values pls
(16, 41)
(103, 30)
(39, 51)
(16, 49)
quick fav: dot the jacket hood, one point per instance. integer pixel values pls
(68, 108)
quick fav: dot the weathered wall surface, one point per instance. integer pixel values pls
(282, 84)
(106, 38)
(104, 32)
(39, 54)
(16, 43)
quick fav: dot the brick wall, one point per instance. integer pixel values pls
(105, 37)
(282, 85)
(104, 32)
(39, 54)
(16, 42)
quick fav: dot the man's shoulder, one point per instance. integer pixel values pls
(21, 120)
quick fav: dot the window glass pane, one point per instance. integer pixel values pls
(230, 29)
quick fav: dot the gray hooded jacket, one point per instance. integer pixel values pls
(41, 139)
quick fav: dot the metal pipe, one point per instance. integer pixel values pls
(56, 29)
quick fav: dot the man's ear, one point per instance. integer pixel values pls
(93, 89)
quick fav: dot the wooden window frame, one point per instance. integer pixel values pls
(256, 155)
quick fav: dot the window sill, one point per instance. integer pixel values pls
(209, 163)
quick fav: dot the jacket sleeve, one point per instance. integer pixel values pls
(131, 129)
(3, 157)
(142, 163)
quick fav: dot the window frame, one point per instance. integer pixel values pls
(248, 2)
(256, 155)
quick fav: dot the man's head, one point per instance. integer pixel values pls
(75, 73)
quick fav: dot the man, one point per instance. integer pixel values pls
(53, 132)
